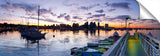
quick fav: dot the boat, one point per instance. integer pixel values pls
(32, 32)
(85, 49)
(105, 46)
(105, 41)
(97, 48)
(75, 50)
(87, 54)
(92, 44)
(109, 39)
(99, 43)
(100, 47)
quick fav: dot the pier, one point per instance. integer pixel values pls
(138, 45)
(134, 47)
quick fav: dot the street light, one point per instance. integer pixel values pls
(129, 25)
(126, 21)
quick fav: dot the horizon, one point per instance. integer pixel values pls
(110, 12)
(115, 26)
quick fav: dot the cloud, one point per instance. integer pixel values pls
(97, 20)
(119, 18)
(27, 7)
(61, 15)
(30, 9)
(88, 7)
(45, 11)
(144, 21)
(85, 8)
(110, 10)
(67, 3)
(76, 17)
(98, 15)
(89, 13)
(107, 4)
(121, 5)
(53, 14)
(89, 17)
(50, 20)
(67, 17)
(122, 17)
(151, 21)
(47, 20)
(100, 11)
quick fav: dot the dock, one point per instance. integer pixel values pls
(138, 45)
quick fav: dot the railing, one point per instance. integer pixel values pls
(119, 47)
(150, 45)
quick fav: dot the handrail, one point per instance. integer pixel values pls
(151, 38)
(149, 45)
(112, 52)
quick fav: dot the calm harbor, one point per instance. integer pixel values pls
(13, 44)
(77, 28)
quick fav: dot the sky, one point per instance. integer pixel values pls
(112, 12)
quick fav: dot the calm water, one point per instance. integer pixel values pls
(12, 44)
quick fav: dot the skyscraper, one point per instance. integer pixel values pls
(98, 25)
(106, 25)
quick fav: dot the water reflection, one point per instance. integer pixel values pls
(13, 44)
(92, 32)
(76, 32)
(86, 32)
(33, 40)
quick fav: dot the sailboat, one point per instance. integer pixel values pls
(33, 32)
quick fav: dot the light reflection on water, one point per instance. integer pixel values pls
(12, 44)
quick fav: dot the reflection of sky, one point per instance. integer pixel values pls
(68, 11)
(60, 45)
(11, 43)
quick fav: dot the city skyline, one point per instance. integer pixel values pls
(112, 12)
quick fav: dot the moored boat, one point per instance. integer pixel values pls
(33, 32)
(99, 47)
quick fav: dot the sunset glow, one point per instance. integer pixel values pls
(72, 11)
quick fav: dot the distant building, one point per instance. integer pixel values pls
(75, 25)
(68, 26)
(86, 25)
(98, 24)
(106, 25)
(44, 25)
(92, 25)
(62, 26)
(53, 25)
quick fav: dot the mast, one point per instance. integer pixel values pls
(38, 16)
(28, 22)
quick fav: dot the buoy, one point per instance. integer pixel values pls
(53, 35)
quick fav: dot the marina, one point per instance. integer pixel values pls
(60, 45)
(77, 28)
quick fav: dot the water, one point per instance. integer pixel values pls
(12, 44)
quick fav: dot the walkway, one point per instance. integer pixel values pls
(134, 47)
